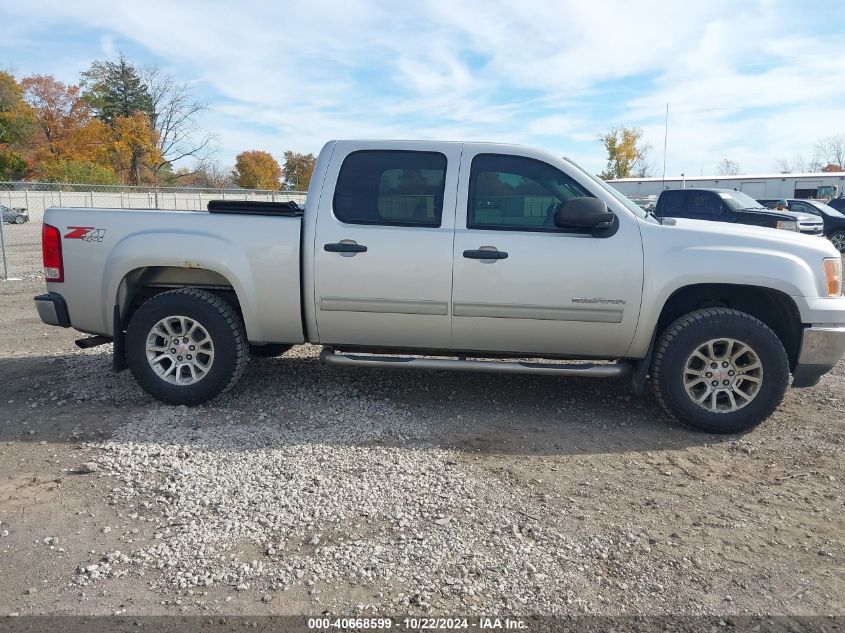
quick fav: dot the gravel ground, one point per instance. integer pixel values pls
(310, 488)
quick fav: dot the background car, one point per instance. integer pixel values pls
(838, 204)
(834, 221)
(16, 215)
(727, 205)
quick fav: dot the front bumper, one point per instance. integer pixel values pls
(821, 349)
(52, 309)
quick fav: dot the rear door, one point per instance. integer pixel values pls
(383, 251)
(521, 284)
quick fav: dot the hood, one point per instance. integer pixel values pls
(806, 218)
(744, 236)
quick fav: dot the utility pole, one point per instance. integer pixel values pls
(665, 142)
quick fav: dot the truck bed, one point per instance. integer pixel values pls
(111, 252)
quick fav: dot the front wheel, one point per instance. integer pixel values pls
(838, 240)
(20, 219)
(719, 370)
(186, 346)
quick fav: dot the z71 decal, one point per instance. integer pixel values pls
(87, 233)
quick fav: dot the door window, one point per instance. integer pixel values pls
(704, 204)
(515, 193)
(394, 188)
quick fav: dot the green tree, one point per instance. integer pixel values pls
(115, 89)
(12, 165)
(297, 170)
(627, 153)
(255, 169)
(81, 171)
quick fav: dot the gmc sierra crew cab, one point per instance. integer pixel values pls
(448, 255)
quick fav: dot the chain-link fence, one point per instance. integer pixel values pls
(37, 196)
(23, 203)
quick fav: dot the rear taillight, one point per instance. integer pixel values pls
(51, 249)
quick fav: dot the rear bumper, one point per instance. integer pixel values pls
(52, 309)
(821, 349)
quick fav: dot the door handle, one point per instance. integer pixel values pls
(345, 247)
(485, 254)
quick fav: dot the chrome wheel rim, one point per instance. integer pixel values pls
(180, 350)
(838, 240)
(723, 375)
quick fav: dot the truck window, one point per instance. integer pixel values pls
(704, 204)
(394, 188)
(672, 204)
(516, 193)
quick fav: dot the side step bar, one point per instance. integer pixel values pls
(619, 369)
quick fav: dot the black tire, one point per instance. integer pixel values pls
(678, 342)
(20, 219)
(837, 238)
(224, 326)
(269, 350)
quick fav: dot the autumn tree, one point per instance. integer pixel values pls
(16, 117)
(255, 169)
(133, 147)
(70, 142)
(297, 170)
(627, 153)
(728, 167)
(17, 122)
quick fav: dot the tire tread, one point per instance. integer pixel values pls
(666, 339)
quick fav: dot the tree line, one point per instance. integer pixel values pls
(122, 124)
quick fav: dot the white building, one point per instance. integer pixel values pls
(824, 185)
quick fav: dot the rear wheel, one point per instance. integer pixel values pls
(20, 219)
(838, 240)
(720, 370)
(186, 346)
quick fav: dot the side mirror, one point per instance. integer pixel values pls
(585, 213)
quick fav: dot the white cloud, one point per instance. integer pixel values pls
(743, 81)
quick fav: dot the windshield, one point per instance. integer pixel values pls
(826, 209)
(737, 201)
(632, 206)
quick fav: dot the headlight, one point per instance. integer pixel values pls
(787, 225)
(833, 276)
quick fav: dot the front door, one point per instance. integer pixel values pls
(383, 251)
(523, 285)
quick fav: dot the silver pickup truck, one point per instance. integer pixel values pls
(448, 255)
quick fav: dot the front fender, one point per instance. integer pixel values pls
(676, 258)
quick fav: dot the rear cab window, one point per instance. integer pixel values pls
(391, 188)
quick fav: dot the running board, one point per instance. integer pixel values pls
(619, 369)
(92, 341)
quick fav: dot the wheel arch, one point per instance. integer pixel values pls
(144, 282)
(773, 307)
